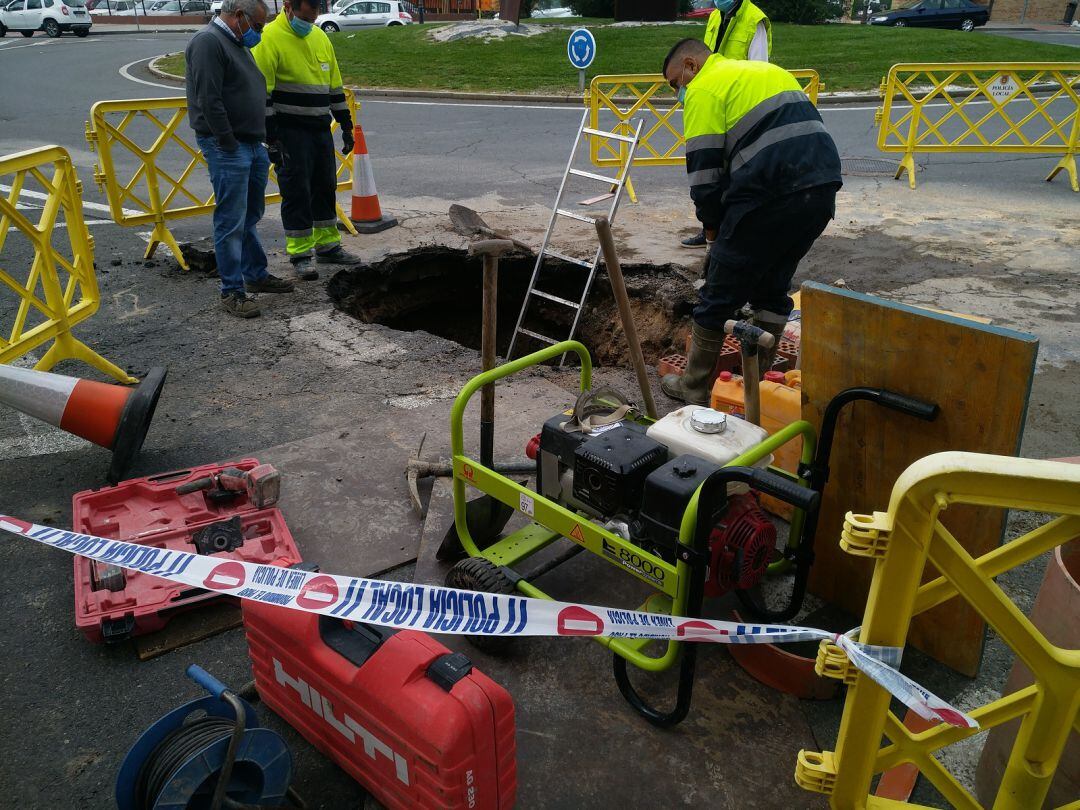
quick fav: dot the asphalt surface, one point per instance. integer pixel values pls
(421, 149)
(1066, 36)
(237, 387)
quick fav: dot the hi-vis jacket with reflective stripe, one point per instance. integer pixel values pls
(752, 135)
(303, 83)
(739, 33)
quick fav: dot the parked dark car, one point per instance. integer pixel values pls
(962, 14)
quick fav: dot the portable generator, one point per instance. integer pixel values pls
(639, 487)
(667, 501)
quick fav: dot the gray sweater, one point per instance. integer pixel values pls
(226, 91)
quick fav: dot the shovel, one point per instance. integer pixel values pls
(485, 517)
(469, 223)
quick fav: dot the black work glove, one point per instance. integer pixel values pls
(277, 154)
(347, 142)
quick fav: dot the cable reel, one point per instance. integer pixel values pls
(208, 754)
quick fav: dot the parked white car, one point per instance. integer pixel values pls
(109, 6)
(173, 8)
(364, 14)
(51, 16)
(215, 7)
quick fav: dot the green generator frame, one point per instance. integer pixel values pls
(680, 584)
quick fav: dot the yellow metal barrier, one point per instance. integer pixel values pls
(60, 288)
(647, 96)
(1014, 108)
(900, 542)
(159, 182)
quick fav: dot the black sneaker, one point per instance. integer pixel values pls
(269, 284)
(240, 304)
(338, 256)
(303, 269)
(695, 241)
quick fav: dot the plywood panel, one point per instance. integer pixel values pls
(979, 374)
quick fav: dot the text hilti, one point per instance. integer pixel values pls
(346, 726)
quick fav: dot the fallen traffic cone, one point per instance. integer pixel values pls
(112, 416)
(367, 216)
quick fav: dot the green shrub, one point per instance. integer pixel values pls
(593, 8)
(800, 12)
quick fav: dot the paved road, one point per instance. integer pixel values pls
(421, 148)
(1065, 36)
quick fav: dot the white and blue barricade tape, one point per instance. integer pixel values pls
(437, 609)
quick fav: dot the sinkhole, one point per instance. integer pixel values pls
(439, 290)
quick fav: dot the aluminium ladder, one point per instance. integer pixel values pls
(616, 185)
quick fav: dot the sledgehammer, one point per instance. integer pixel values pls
(750, 338)
(485, 516)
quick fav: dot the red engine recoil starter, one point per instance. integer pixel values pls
(740, 546)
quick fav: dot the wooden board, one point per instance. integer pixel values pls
(188, 627)
(981, 377)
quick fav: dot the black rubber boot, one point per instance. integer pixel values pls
(692, 386)
(774, 324)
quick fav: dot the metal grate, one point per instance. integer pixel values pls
(868, 167)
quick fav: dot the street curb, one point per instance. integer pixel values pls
(824, 99)
(161, 74)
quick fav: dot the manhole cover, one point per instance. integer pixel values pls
(868, 167)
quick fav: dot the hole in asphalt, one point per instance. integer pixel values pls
(439, 290)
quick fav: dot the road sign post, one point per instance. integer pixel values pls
(581, 50)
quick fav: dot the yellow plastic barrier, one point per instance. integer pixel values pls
(59, 289)
(145, 140)
(1012, 108)
(648, 95)
(901, 542)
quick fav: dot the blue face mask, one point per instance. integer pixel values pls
(681, 95)
(724, 6)
(250, 38)
(301, 27)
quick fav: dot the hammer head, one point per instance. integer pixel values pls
(490, 247)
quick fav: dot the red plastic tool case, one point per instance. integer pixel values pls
(148, 511)
(412, 722)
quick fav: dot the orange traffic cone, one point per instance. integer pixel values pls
(367, 216)
(112, 416)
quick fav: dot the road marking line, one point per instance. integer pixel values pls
(92, 206)
(32, 45)
(124, 71)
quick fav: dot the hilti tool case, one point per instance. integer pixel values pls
(412, 722)
(112, 604)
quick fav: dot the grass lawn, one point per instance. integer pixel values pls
(848, 57)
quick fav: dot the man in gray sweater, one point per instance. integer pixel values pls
(226, 96)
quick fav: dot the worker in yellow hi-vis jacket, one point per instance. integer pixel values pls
(736, 29)
(763, 174)
(304, 94)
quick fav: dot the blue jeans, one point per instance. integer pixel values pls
(239, 181)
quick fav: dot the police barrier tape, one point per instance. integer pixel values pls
(448, 610)
(1015, 108)
(648, 96)
(157, 188)
(59, 287)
